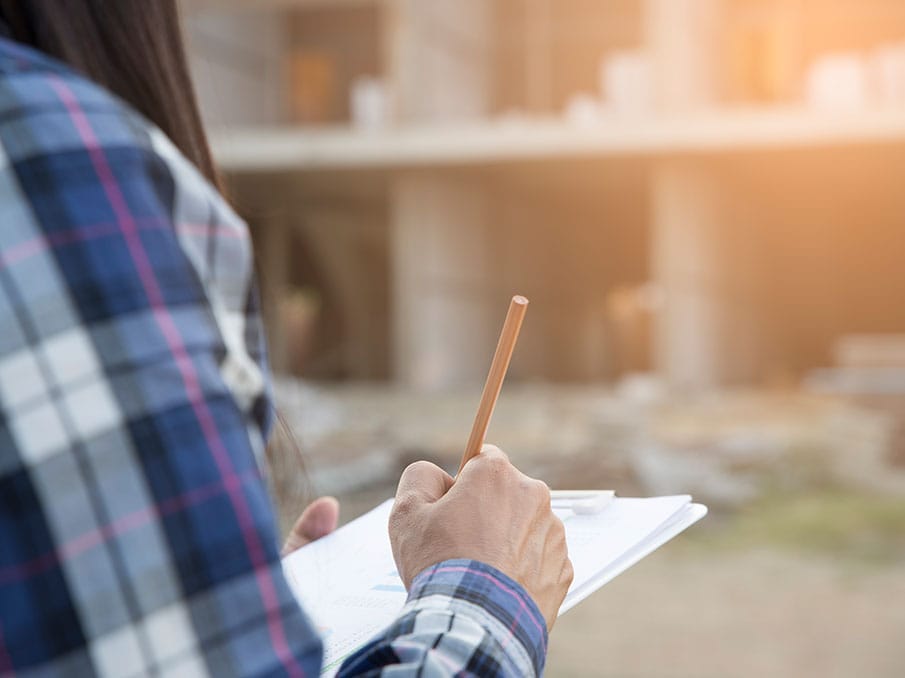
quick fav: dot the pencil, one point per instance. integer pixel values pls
(494, 383)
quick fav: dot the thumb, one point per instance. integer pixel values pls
(318, 520)
(425, 481)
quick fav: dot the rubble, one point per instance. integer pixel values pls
(724, 448)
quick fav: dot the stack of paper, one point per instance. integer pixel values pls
(348, 582)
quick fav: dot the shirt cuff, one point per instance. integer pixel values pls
(495, 601)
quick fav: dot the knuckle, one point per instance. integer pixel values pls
(417, 468)
(405, 504)
(537, 490)
(542, 490)
(496, 464)
(412, 475)
(493, 453)
(568, 572)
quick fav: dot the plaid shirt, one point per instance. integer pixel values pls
(136, 533)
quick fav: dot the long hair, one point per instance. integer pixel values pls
(134, 48)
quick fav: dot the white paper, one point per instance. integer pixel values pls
(348, 584)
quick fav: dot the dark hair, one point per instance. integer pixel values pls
(132, 47)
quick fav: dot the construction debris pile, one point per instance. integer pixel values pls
(726, 448)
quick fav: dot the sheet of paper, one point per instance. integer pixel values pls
(590, 581)
(348, 582)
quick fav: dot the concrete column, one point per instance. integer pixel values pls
(686, 220)
(438, 55)
(683, 39)
(439, 63)
(704, 332)
(441, 280)
(705, 259)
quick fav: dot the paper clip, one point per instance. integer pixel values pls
(582, 502)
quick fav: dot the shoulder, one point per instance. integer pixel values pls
(47, 109)
(87, 184)
(79, 160)
(60, 130)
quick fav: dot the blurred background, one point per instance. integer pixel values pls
(702, 199)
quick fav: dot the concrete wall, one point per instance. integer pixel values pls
(236, 58)
(439, 56)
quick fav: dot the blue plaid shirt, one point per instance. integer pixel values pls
(136, 533)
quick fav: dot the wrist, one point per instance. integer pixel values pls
(496, 601)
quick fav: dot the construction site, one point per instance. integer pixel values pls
(702, 201)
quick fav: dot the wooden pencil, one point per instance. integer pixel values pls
(494, 383)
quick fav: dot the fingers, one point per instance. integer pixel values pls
(492, 513)
(491, 460)
(424, 481)
(493, 452)
(488, 453)
(318, 520)
(494, 463)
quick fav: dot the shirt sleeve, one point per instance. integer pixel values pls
(462, 618)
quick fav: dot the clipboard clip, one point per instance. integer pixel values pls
(582, 502)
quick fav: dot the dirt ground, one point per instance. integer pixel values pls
(684, 613)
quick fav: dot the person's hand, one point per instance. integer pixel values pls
(492, 513)
(316, 521)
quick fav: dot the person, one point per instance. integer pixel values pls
(137, 536)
